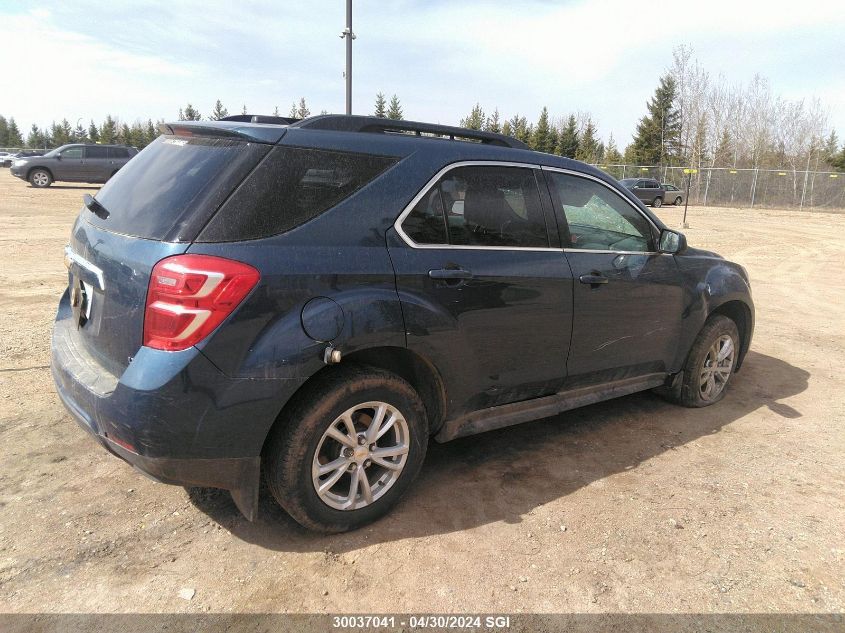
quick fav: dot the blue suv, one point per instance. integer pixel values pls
(311, 301)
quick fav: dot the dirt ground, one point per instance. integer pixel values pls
(631, 505)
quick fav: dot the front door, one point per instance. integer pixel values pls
(70, 166)
(485, 297)
(628, 297)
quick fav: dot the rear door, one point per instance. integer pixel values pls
(95, 163)
(485, 295)
(627, 297)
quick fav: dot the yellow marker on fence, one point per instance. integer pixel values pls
(732, 171)
(690, 171)
(834, 176)
(781, 173)
(643, 168)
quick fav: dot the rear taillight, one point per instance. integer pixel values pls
(190, 295)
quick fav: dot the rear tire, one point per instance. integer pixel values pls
(710, 365)
(40, 178)
(658, 202)
(331, 477)
(678, 201)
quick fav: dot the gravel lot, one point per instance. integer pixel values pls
(631, 505)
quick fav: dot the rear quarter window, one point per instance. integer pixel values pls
(291, 186)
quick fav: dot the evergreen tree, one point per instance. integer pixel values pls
(567, 140)
(66, 132)
(611, 152)
(507, 129)
(588, 144)
(658, 132)
(152, 132)
(243, 110)
(276, 111)
(4, 132)
(14, 138)
(108, 130)
(292, 113)
(79, 133)
(394, 110)
(492, 123)
(93, 132)
(838, 161)
(124, 137)
(219, 111)
(542, 140)
(522, 131)
(302, 112)
(830, 148)
(36, 138)
(381, 106)
(190, 113)
(475, 119)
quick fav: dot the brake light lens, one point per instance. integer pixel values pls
(190, 295)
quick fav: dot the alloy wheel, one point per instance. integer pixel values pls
(717, 367)
(360, 456)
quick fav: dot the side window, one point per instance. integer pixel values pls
(72, 152)
(96, 151)
(118, 152)
(481, 206)
(598, 218)
(426, 224)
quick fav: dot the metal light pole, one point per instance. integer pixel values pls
(349, 36)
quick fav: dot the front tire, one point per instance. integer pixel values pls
(347, 449)
(678, 201)
(658, 202)
(40, 178)
(710, 364)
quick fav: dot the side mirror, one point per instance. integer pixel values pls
(672, 242)
(58, 157)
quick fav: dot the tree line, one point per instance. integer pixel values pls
(692, 119)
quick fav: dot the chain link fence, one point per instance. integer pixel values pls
(729, 187)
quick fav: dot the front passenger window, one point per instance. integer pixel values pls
(598, 218)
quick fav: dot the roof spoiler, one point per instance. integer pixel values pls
(225, 129)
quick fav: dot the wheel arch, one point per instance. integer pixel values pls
(408, 365)
(35, 167)
(740, 313)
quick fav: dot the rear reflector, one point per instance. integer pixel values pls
(190, 295)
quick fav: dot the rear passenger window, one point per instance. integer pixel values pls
(94, 151)
(291, 186)
(597, 218)
(481, 206)
(118, 152)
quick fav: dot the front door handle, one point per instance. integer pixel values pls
(594, 279)
(451, 276)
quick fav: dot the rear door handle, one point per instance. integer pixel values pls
(593, 280)
(452, 276)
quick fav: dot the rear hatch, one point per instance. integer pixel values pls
(151, 209)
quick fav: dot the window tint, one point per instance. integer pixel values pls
(72, 152)
(96, 151)
(174, 185)
(426, 224)
(118, 152)
(291, 186)
(597, 218)
(482, 206)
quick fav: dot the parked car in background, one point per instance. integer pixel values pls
(312, 302)
(77, 162)
(648, 190)
(673, 194)
(7, 159)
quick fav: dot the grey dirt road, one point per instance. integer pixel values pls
(631, 505)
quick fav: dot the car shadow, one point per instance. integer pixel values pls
(503, 474)
(79, 186)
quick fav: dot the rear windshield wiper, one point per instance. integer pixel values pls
(95, 207)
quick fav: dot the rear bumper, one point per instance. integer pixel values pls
(172, 415)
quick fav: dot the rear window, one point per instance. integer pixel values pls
(118, 152)
(170, 189)
(291, 186)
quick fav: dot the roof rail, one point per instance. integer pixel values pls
(353, 123)
(260, 118)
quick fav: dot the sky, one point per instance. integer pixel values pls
(139, 60)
